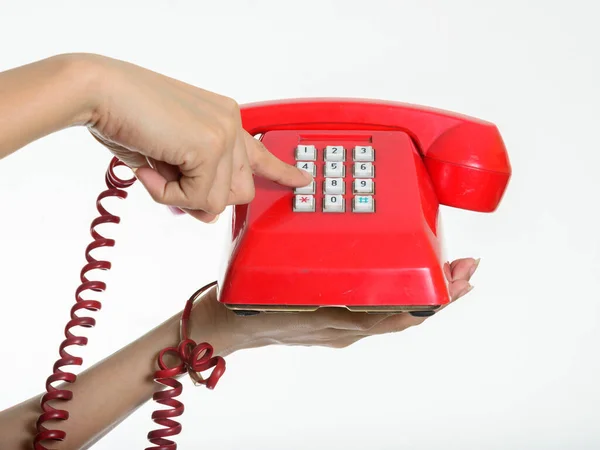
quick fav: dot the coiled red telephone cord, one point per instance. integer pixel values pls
(194, 358)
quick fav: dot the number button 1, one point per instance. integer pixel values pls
(306, 153)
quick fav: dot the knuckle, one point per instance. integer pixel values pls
(247, 195)
(158, 198)
(215, 206)
(230, 105)
(216, 138)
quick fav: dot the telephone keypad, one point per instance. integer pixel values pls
(306, 153)
(364, 170)
(308, 189)
(309, 166)
(335, 153)
(334, 203)
(331, 194)
(334, 169)
(364, 153)
(304, 203)
(363, 186)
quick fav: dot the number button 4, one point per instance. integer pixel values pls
(308, 166)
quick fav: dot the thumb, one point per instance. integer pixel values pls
(161, 190)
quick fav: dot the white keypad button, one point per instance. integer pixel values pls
(366, 186)
(306, 153)
(304, 203)
(364, 153)
(308, 189)
(308, 166)
(334, 203)
(334, 169)
(334, 186)
(364, 170)
(363, 204)
(335, 153)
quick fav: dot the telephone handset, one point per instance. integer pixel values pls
(363, 236)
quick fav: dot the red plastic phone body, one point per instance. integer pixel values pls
(386, 261)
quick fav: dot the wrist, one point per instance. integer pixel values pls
(83, 79)
(210, 322)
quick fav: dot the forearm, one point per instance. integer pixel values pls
(107, 393)
(43, 97)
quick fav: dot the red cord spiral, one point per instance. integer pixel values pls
(115, 186)
(193, 358)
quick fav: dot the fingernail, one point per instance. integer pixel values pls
(176, 211)
(214, 220)
(474, 268)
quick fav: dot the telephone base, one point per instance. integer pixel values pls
(249, 310)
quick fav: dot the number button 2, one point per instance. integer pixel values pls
(335, 153)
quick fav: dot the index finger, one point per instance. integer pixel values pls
(267, 165)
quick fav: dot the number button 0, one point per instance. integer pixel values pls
(364, 153)
(334, 186)
(333, 203)
(364, 170)
(334, 169)
(335, 153)
(365, 186)
(308, 166)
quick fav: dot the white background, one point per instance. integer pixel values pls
(512, 366)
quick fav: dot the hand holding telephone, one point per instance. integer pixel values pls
(363, 236)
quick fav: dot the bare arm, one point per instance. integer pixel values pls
(112, 389)
(187, 144)
(43, 97)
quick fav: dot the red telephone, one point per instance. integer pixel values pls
(364, 235)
